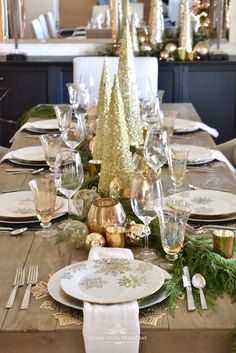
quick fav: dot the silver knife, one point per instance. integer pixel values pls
(188, 286)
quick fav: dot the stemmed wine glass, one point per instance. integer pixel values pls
(69, 174)
(173, 217)
(74, 95)
(145, 202)
(155, 149)
(177, 161)
(63, 113)
(51, 146)
(73, 131)
(44, 192)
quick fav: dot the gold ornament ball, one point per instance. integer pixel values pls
(141, 37)
(94, 239)
(145, 47)
(164, 55)
(171, 48)
(201, 48)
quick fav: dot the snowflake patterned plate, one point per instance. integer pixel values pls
(19, 205)
(208, 203)
(112, 280)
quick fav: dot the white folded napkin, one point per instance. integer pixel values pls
(8, 155)
(213, 132)
(23, 127)
(111, 328)
(219, 156)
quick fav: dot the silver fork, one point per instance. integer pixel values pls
(204, 229)
(32, 279)
(18, 282)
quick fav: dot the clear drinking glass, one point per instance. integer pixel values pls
(74, 95)
(145, 202)
(154, 149)
(167, 123)
(177, 160)
(44, 193)
(73, 131)
(51, 146)
(63, 113)
(69, 174)
(173, 219)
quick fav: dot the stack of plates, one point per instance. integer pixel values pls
(18, 207)
(108, 281)
(199, 155)
(33, 155)
(41, 126)
(182, 125)
(209, 205)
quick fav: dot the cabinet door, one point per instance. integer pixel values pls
(212, 90)
(64, 74)
(28, 86)
(169, 81)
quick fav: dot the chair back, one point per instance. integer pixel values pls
(146, 71)
(44, 26)
(51, 23)
(37, 29)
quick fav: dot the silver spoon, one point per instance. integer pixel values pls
(199, 282)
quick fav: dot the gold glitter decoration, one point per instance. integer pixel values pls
(94, 239)
(134, 36)
(103, 108)
(68, 317)
(180, 14)
(40, 290)
(93, 282)
(49, 305)
(112, 266)
(129, 90)
(156, 22)
(107, 19)
(116, 153)
(125, 12)
(151, 316)
(185, 38)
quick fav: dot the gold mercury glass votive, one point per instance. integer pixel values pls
(94, 166)
(116, 236)
(223, 242)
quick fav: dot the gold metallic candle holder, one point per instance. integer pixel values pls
(223, 242)
(116, 236)
(94, 166)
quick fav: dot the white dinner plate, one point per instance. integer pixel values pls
(42, 125)
(182, 125)
(199, 154)
(208, 203)
(112, 280)
(19, 205)
(56, 292)
(32, 154)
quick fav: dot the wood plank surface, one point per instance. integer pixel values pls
(35, 330)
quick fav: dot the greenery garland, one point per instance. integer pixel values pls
(197, 254)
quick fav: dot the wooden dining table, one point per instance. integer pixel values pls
(35, 330)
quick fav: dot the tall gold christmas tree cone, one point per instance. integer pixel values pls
(185, 38)
(156, 23)
(116, 152)
(125, 11)
(129, 89)
(180, 14)
(103, 108)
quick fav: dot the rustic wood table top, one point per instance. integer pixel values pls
(36, 331)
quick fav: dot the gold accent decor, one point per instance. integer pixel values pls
(120, 186)
(223, 242)
(94, 166)
(94, 239)
(103, 213)
(116, 236)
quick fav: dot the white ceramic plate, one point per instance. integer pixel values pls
(20, 205)
(208, 203)
(56, 292)
(29, 154)
(199, 154)
(43, 125)
(16, 161)
(182, 125)
(113, 280)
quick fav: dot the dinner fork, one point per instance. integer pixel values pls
(208, 227)
(32, 279)
(18, 282)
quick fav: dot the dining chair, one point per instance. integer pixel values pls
(37, 29)
(146, 71)
(44, 26)
(228, 148)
